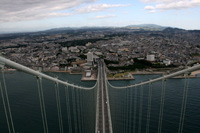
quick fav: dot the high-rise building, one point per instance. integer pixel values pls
(90, 58)
(167, 62)
(151, 57)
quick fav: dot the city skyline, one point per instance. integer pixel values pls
(35, 15)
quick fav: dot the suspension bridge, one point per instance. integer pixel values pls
(97, 109)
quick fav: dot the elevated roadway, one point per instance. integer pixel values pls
(103, 117)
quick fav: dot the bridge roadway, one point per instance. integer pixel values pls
(103, 117)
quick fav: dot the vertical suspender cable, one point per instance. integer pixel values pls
(184, 101)
(79, 110)
(124, 102)
(95, 103)
(130, 114)
(43, 104)
(68, 108)
(126, 115)
(162, 101)
(83, 112)
(9, 110)
(74, 109)
(4, 105)
(186, 95)
(140, 111)
(149, 108)
(58, 108)
(135, 110)
(127, 109)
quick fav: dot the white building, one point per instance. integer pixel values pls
(151, 57)
(88, 73)
(65, 50)
(167, 62)
(74, 49)
(90, 57)
(88, 44)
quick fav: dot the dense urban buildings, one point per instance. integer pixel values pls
(76, 48)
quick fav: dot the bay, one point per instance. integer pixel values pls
(25, 107)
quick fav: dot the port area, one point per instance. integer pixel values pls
(117, 76)
(121, 76)
(93, 77)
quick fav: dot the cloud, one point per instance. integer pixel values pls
(20, 10)
(179, 5)
(102, 17)
(159, 1)
(171, 5)
(149, 8)
(99, 7)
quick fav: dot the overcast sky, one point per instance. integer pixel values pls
(34, 15)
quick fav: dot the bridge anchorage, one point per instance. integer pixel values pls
(131, 118)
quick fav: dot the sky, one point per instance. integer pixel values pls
(37, 15)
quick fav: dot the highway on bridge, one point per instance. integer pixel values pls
(103, 117)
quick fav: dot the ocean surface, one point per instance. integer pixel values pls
(78, 106)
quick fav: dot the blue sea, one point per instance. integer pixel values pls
(78, 113)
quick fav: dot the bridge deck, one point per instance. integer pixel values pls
(104, 124)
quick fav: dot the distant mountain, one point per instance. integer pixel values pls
(60, 29)
(74, 28)
(174, 30)
(147, 27)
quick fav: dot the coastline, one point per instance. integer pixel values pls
(93, 77)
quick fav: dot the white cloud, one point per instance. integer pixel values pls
(179, 5)
(102, 17)
(99, 7)
(20, 10)
(149, 8)
(171, 5)
(159, 1)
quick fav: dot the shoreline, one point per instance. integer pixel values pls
(93, 77)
